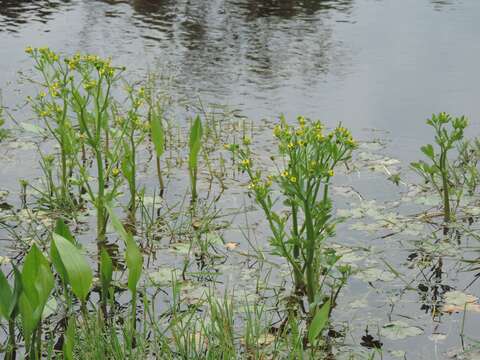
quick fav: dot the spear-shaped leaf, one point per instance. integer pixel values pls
(37, 284)
(196, 133)
(6, 297)
(158, 136)
(78, 273)
(318, 323)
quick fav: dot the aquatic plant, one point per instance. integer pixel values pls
(3, 131)
(439, 173)
(195, 144)
(311, 156)
(158, 138)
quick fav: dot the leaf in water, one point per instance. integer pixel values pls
(459, 298)
(398, 330)
(398, 354)
(457, 301)
(231, 245)
(163, 276)
(214, 238)
(181, 248)
(374, 274)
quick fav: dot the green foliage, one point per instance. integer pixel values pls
(319, 322)
(37, 284)
(3, 131)
(133, 255)
(439, 171)
(72, 265)
(7, 298)
(195, 143)
(310, 157)
(158, 134)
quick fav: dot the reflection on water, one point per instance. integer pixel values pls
(344, 60)
(14, 13)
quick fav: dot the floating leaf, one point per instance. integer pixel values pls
(374, 274)
(398, 330)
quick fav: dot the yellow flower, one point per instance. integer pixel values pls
(301, 143)
(246, 163)
(331, 173)
(115, 171)
(293, 179)
(291, 145)
(29, 50)
(285, 173)
(246, 140)
(54, 89)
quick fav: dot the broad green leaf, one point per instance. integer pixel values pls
(318, 323)
(6, 297)
(133, 255)
(158, 135)
(28, 318)
(37, 284)
(58, 264)
(196, 133)
(78, 273)
(37, 278)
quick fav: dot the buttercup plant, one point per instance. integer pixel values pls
(439, 173)
(311, 156)
(78, 109)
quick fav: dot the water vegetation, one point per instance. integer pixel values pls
(104, 264)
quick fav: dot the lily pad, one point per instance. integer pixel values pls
(398, 330)
(374, 274)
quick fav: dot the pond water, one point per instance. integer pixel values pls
(381, 65)
(384, 64)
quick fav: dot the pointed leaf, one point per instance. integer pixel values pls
(6, 297)
(158, 136)
(318, 323)
(196, 133)
(78, 272)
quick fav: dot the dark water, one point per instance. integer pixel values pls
(383, 64)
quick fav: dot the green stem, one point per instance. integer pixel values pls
(446, 195)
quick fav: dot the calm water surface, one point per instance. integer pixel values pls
(384, 64)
